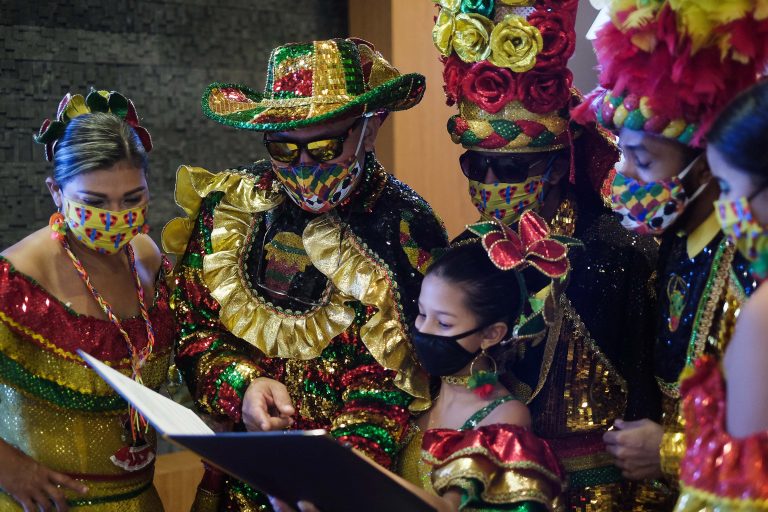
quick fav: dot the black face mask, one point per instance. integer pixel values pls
(442, 355)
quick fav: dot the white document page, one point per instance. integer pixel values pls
(164, 414)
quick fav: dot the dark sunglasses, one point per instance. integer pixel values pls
(506, 168)
(321, 150)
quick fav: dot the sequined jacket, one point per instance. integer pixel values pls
(60, 412)
(704, 280)
(342, 348)
(595, 363)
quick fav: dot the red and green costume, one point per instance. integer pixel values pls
(338, 341)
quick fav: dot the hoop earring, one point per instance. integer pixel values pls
(482, 382)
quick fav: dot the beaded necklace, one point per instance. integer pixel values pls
(137, 422)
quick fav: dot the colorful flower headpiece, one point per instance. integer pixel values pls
(534, 247)
(75, 105)
(506, 68)
(669, 66)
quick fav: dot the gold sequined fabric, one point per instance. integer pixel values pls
(58, 411)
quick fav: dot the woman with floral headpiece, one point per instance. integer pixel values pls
(474, 447)
(726, 407)
(667, 69)
(91, 281)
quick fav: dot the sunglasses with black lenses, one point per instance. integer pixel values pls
(321, 150)
(506, 168)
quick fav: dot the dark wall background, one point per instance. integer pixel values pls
(162, 55)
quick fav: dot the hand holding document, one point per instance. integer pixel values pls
(293, 465)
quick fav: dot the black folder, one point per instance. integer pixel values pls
(305, 465)
(292, 465)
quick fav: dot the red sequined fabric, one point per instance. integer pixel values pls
(29, 305)
(718, 467)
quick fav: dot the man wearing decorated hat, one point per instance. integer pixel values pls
(506, 70)
(299, 275)
(667, 69)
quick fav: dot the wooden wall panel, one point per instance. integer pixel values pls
(176, 478)
(422, 152)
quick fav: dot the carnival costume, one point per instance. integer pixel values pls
(499, 466)
(53, 407)
(506, 69)
(668, 68)
(719, 471)
(268, 287)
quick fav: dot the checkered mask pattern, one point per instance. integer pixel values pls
(318, 188)
(506, 201)
(739, 225)
(647, 208)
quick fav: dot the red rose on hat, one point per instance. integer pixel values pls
(559, 39)
(488, 86)
(453, 74)
(545, 91)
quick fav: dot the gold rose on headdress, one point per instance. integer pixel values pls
(471, 37)
(515, 44)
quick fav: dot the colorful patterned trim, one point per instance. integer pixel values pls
(627, 110)
(16, 375)
(418, 257)
(695, 500)
(23, 346)
(513, 129)
(400, 93)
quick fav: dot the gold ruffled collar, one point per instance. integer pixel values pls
(356, 273)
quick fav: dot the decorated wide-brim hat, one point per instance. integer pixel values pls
(311, 83)
(506, 70)
(668, 67)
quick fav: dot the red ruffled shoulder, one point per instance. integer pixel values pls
(718, 467)
(34, 314)
(505, 445)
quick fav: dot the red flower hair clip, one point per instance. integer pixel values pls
(534, 246)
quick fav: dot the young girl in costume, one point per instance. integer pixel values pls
(474, 447)
(92, 281)
(726, 408)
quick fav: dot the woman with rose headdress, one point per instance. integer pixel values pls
(91, 280)
(506, 70)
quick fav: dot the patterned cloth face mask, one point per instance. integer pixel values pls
(103, 231)
(650, 208)
(739, 225)
(320, 187)
(507, 201)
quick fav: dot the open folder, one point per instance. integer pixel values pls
(292, 465)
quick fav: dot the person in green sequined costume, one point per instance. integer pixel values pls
(298, 276)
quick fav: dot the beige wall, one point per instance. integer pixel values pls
(415, 145)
